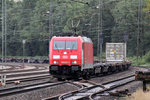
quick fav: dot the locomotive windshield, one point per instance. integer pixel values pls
(65, 45)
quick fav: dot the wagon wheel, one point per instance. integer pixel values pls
(60, 79)
(86, 76)
(109, 70)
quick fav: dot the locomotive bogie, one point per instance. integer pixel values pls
(97, 70)
(65, 71)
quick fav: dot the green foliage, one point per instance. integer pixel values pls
(135, 62)
(30, 19)
(142, 61)
(125, 16)
(147, 57)
(147, 8)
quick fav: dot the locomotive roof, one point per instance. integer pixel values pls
(85, 39)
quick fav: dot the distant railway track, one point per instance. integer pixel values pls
(9, 67)
(30, 78)
(18, 67)
(91, 91)
(26, 60)
(16, 71)
(25, 75)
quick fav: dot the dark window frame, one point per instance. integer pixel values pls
(65, 45)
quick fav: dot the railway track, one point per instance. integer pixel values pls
(25, 88)
(16, 71)
(36, 72)
(109, 86)
(18, 67)
(27, 76)
(82, 84)
(92, 91)
(29, 73)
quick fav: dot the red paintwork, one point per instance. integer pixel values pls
(87, 48)
(88, 53)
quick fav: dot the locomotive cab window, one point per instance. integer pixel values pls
(65, 45)
(71, 45)
(59, 45)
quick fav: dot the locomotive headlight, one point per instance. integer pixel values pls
(56, 56)
(55, 62)
(74, 62)
(73, 57)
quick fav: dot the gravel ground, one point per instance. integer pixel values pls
(56, 90)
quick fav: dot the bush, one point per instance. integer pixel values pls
(141, 61)
(147, 57)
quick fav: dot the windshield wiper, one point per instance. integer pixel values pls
(56, 47)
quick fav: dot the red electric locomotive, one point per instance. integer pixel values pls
(71, 57)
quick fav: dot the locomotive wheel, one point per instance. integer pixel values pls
(127, 66)
(60, 79)
(76, 78)
(124, 67)
(105, 73)
(109, 70)
(119, 68)
(97, 74)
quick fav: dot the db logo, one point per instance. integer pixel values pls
(65, 57)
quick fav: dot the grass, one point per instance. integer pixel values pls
(146, 65)
(139, 95)
(142, 61)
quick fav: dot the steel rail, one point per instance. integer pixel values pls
(81, 91)
(79, 84)
(10, 75)
(39, 77)
(88, 92)
(26, 88)
(19, 70)
(130, 78)
(132, 75)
